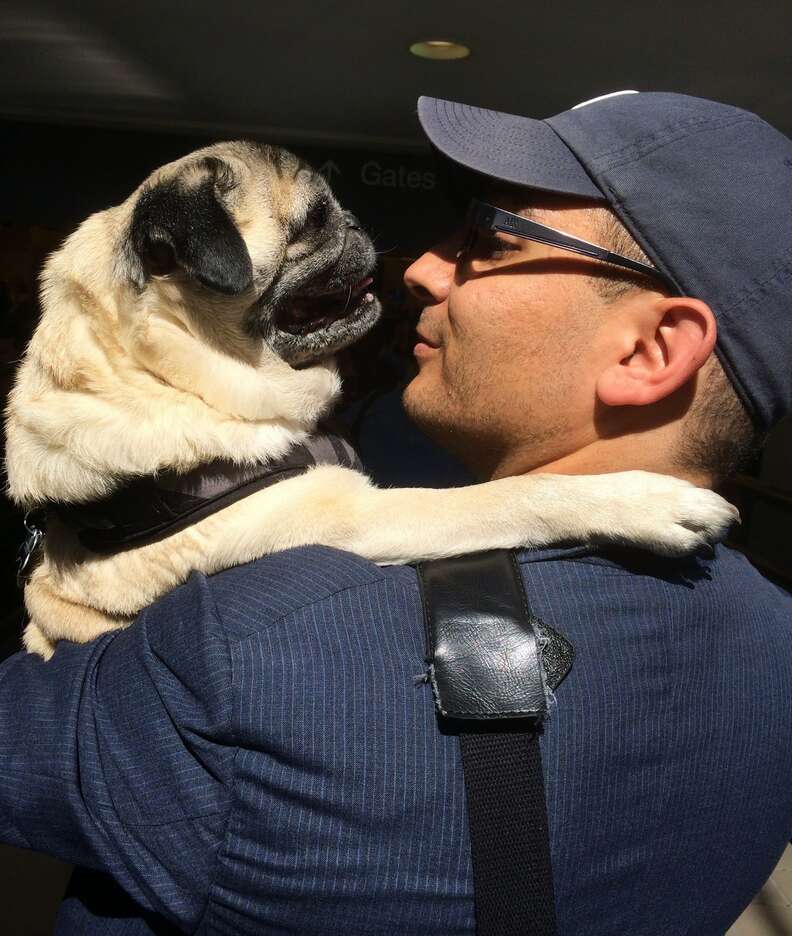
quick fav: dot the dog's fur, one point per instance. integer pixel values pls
(170, 337)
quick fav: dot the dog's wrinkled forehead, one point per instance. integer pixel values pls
(255, 180)
(229, 214)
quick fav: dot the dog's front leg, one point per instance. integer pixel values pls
(656, 512)
(338, 507)
(341, 508)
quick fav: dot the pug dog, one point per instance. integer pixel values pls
(194, 325)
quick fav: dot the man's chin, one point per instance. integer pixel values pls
(413, 403)
(433, 421)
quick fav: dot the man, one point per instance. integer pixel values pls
(256, 755)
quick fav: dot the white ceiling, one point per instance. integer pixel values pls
(323, 71)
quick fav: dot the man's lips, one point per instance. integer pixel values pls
(425, 344)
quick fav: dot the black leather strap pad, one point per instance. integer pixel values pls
(489, 657)
(490, 662)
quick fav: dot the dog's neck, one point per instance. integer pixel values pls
(107, 392)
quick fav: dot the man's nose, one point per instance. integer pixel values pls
(429, 279)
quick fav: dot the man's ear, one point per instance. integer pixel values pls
(180, 224)
(663, 351)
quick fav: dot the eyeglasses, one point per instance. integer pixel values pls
(487, 218)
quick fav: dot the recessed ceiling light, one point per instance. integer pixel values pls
(441, 49)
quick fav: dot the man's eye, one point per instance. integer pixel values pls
(492, 246)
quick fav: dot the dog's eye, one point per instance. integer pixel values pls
(317, 213)
(158, 256)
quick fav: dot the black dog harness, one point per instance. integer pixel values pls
(149, 508)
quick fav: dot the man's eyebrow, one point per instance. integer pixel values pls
(508, 200)
(524, 211)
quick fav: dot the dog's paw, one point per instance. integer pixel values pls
(321, 387)
(666, 515)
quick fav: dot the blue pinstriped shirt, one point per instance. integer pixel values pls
(256, 756)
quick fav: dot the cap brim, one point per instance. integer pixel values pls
(505, 147)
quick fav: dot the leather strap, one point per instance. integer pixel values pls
(491, 663)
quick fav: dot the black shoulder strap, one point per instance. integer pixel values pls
(491, 664)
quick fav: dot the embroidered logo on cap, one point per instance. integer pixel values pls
(602, 97)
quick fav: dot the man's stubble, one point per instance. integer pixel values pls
(475, 416)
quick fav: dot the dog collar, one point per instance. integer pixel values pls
(150, 508)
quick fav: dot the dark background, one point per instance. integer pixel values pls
(94, 95)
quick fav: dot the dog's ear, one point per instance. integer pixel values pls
(181, 223)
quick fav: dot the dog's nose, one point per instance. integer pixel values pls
(351, 221)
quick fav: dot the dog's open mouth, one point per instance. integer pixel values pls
(306, 314)
(310, 325)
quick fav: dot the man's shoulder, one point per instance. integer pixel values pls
(614, 589)
(270, 591)
(275, 588)
(721, 567)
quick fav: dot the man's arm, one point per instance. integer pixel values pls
(117, 755)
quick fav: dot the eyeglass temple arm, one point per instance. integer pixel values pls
(508, 223)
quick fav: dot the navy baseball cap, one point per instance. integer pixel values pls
(704, 188)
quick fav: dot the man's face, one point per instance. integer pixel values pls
(509, 340)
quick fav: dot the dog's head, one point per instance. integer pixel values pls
(256, 245)
(196, 320)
